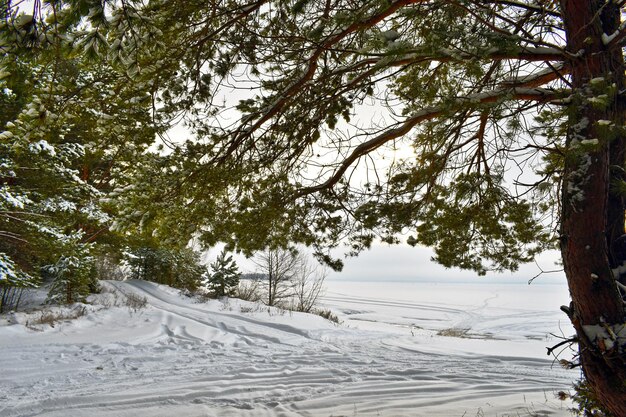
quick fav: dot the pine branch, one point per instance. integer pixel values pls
(312, 65)
(531, 7)
(429, 113)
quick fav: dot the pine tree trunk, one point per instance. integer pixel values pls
(593, 212)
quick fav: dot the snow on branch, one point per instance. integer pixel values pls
(607, 336)
(445, 55)
(614, 38)
(538, 78)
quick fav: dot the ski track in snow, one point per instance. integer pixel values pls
(178, 357)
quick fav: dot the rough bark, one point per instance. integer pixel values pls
(593, 212)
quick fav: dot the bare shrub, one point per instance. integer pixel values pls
(226, 305)
(108, 267)
(111, 296)
(307, 285)
(328, 315)
(46, 317)
(52, 317)
(246, 309)
(135, 302)
(248, 290)
(278, 266)
(106, 289)
(107, 302)
(200, 295)
(454, 332)
(254, 308)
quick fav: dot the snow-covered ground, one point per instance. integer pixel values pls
(402, 350)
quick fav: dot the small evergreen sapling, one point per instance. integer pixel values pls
(73, 278)
(224, 279)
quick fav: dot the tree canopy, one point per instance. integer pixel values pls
(324, 122)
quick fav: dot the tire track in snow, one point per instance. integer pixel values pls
(344, 298)
(471, 319)
(189, 312)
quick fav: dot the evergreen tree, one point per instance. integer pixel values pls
(224, 277)
(71, 127)
(178, 268)
(72, 277)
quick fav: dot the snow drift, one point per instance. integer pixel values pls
(480, 354)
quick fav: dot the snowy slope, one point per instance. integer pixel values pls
(179, 357)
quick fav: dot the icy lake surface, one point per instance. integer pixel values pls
(402, 349)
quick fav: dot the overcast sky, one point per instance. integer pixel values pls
(406, 263)
(413, 264)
